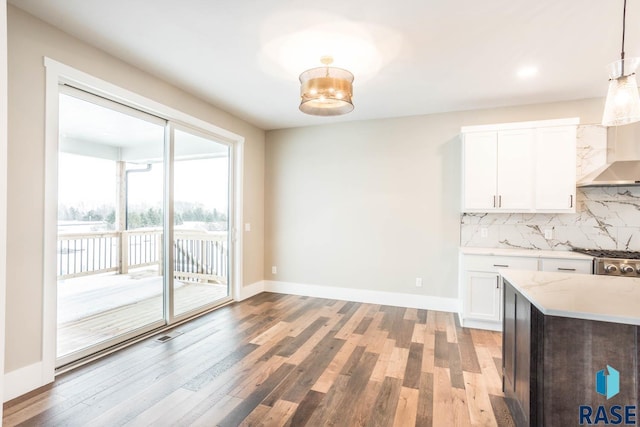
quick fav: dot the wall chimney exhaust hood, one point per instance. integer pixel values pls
(623, 169)
(621, 172)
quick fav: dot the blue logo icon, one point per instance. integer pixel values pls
(608, 384)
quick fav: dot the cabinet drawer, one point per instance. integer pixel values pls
(583, 266)
(494, 263)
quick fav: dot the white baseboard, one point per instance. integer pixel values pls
(365, 295)
(481, 324)
(250, 290)
(23, 380)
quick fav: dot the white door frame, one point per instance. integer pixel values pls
(57, 73)
(3, 186)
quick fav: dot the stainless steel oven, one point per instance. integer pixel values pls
(614, 263)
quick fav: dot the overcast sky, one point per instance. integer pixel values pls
(91, 182)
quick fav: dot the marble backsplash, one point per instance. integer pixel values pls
(605, 218)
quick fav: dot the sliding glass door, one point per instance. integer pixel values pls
(201, 221)
(124, 269)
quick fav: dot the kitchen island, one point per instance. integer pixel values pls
(559, 331)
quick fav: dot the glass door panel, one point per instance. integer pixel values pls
(110, 210)
(201, 222)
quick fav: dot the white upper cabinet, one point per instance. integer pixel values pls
(555, 172)
(515, 148)
(520, 167)
(481, 173)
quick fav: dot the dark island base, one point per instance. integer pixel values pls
(550, 363)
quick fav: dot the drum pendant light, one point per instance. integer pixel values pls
(326, 91)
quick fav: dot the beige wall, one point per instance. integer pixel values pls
(375, 204)
(29, 41)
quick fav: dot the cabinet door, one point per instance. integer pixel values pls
(555, 174)
(480, 171)
(523, 354)
(482, 299)
(509, 340)
(515, 169)
(516, 352)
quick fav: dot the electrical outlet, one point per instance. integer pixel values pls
(274, 269)
(548, 233)
(484, 232)
(418, 282)
(247, 226)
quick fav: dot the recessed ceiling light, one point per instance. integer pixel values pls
(527, 72)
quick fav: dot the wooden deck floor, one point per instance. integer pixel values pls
(281, 360)
(95, 309)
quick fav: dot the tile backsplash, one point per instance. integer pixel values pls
(605, 218)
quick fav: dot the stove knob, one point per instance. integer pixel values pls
(624, 268)
(610, 268)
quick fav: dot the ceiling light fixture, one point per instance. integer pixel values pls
(326, 91)
(527, 72)
(623, 101)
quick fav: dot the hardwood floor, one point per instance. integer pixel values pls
(282, 360)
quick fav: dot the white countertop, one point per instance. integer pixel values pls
(532, 253)
(580, 296)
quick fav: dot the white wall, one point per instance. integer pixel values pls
(29, 41)
(373, 205)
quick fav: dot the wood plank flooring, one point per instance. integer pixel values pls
(282, 360)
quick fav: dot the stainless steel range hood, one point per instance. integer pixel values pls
(624, 159)
(622, 172)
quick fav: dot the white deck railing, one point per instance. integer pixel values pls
(198, 255)
(81, 254)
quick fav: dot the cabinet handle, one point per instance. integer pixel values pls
(571, 200)
(501, 265)
(566, 269)
(498, 282)
(494, 201)
(499, 201)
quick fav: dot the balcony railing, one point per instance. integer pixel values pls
(198, 256)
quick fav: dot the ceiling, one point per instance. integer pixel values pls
(409, 57)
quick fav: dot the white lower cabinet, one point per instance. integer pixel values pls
(482, 300)
(481, 288)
